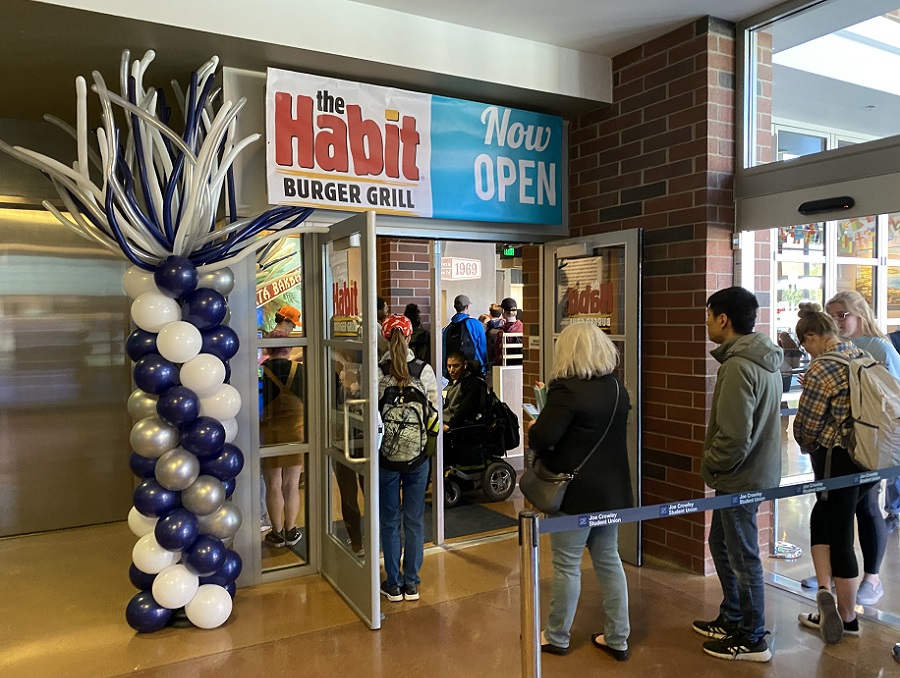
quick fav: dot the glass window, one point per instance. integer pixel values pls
(859, 278)
(797, 282)
(284, 508)
(592, 289)
(802, 239)
(279, 294)
(282, 396)
(857, 237)
(829, 73)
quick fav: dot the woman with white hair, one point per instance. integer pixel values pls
(584, 401)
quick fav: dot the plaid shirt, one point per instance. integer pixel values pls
(824, 408)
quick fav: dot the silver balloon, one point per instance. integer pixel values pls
(222, 523)
(228, 542)
(142, 404)
(222, 280)
(151, 437)
(227, 318)
(177, 469)
(206, 495)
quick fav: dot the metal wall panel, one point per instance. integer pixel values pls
(64, 378)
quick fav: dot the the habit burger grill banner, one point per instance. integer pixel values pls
(336, 144)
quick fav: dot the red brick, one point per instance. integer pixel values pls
(670, 106)
(667, 203)
(641, 68)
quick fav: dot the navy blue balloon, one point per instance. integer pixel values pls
(141, 466)
(229, 486)
(228, 572)
(152, 499)
(140, 579)
(204, 308)
(176, 276)
(205, 556)
(232, 589)
(140, 343)
(178, 406)
(226, 465)
(177, 530)
(204, 437)
(145, 615)
(154, 374)
(221, 341)
(227, 365)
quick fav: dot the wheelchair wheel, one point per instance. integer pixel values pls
(498, 481)
(452, 493)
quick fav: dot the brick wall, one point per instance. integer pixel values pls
(404, 274)
(661, 158)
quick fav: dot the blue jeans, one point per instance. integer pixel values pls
(568, 548)
(734, 545)
(892, 496)
(412, 485)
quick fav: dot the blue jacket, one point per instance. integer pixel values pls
(476, 330)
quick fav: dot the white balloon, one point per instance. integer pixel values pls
(148, 556)
(136, 281)
(175, 586)
(210, 607)
(231, 429)
(152, 311)
(179, 342)
(223, 404)
(139, 524)
(203, 374)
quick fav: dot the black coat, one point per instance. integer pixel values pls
(574, 419)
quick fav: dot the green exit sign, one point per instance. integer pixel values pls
(509, 251)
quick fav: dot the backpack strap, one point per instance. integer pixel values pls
(283, 388)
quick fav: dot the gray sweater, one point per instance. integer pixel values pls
(742, 450)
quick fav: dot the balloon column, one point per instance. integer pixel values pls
(156, 196)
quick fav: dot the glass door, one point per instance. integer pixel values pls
(349, 478)
(598, 279)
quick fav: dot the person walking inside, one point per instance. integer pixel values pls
(821, 429)
(464, 333)
(741, 453)
(584, 400)
(403, 463)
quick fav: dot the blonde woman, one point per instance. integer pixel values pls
(583, 399)
(856, 322)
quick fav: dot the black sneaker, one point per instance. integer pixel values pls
(392, 593)
(274, 538)
(411, 592)
(292, 536)
(811, 621)
(738, 649)
(896, 652)
(717, 628)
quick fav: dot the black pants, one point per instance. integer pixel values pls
(832, 519)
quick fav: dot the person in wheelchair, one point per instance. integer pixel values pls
(466, 397)
(473, 448)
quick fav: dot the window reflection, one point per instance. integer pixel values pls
(279, 293)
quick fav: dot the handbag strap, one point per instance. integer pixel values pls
(603, 437)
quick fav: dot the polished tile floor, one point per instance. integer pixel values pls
(62, 599)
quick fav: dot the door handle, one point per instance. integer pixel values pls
(347, 404)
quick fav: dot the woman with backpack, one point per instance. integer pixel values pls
(821, 430)
(856, 322)
(407, 401)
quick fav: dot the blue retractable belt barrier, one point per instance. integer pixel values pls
(680, 508)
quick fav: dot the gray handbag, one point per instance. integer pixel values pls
(546, 489)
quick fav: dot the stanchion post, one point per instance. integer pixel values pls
(528, 581)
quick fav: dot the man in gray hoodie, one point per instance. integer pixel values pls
(741, 453)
